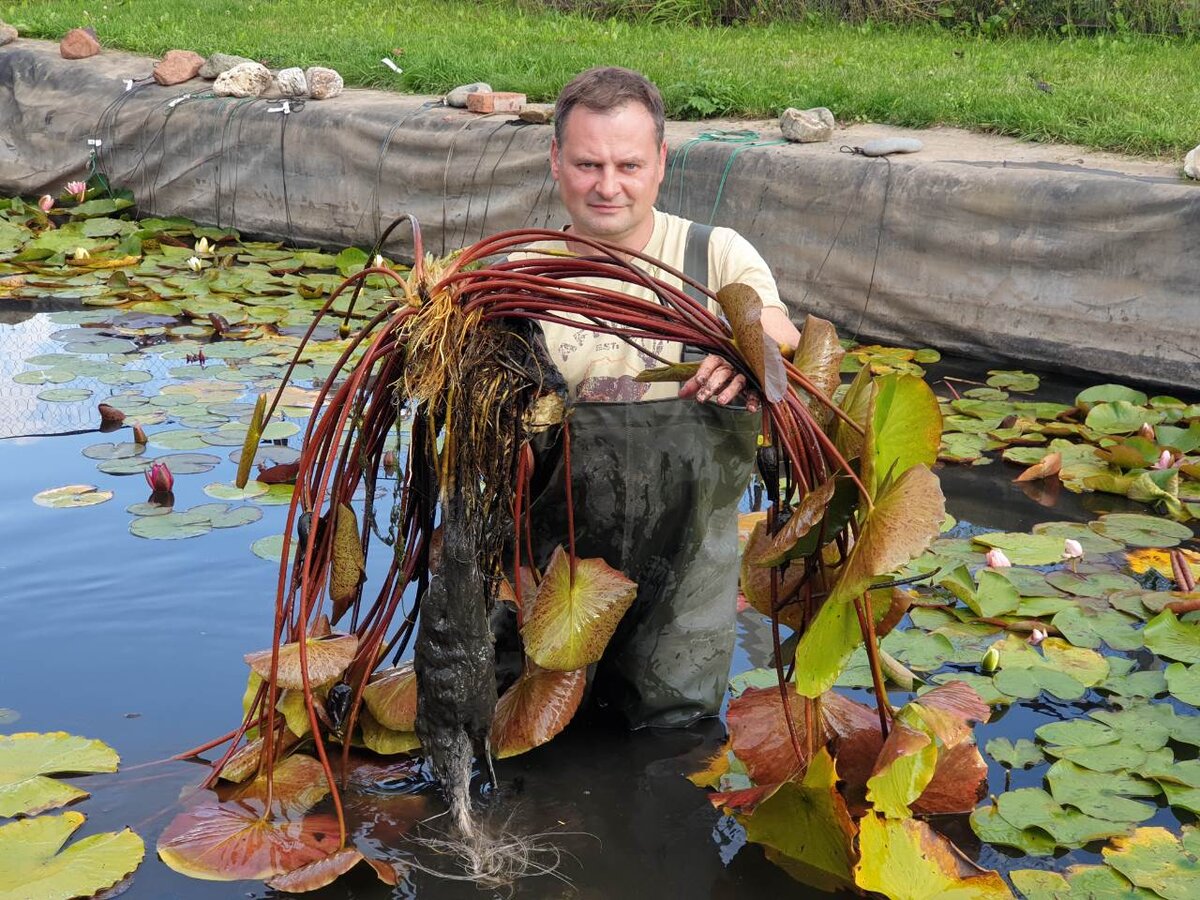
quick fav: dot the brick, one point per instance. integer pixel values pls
(495, 102)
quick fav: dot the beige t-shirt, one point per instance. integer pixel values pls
(601, 367)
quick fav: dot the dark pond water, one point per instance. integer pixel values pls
(140, 643)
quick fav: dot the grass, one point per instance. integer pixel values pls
(1133, 94)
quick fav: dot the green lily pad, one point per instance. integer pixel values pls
(1027, 808)
(1120, 417)
(1091, 584)
(1064, 671)
(1147, 684)
(45, 376)
(171, 527)
(1024, 754)
(1023, 382)
(1154, 859)
(276, 495)
(996, 595)
(222, 491)
(990, 826)
(224, 515)
(114, 451)
(72, 496)
(271, 548)
(1103, 795)
(918, 650)
(1184, 682)
(1090, 541)
(1081, 883)
(34, 867)
(1109, 393)
(65, 395)
(179, 439)
(1141, 531)
(1167, 636)
(129, 465)
(1085, 626)
(26, 759)
(1024, 549)
(146, 508)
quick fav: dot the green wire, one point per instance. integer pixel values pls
(745, 139)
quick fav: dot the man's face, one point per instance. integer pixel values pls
(609, 168)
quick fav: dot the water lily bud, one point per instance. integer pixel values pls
(194, 263)
(377, 262)
(1072, 549)
(996, 559)
(1164, 460)
(389, 461)
(45, 203)
(159, 477)
(202, 245)
(77, 189)
(1147, 431)
(80, 254)
(1035, 637)
(991, 660)
(139, 436)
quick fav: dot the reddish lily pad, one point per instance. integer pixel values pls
(536, 708)
(327, 659)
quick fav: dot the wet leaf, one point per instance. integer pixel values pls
(221, 491)
(1141, 531)
(759, 736)
(743, 311)
(1024, 754)
(1024, 549)
(806, 516)
(391, 696)
(72, 496)
(1184, 682)
(1108, 393)
(1120, 417)
(1023, 382)
(35, 867)
(990, 826)
(1103, 795)
(818, 357)
(1027, 808)
(346, 570)
(171, 527)
(904, 769)
(241, 840)
(571, 624)
(535, 708)
(385, 741)
(1085, 626)
(327, 659)
(270, 548)
(1167, 636)
(1081, 883)
(1091, 584)
(1049, 465)
(318, 873)
(905, 859)
(1155, 859)
(27, 758)
(904, 429)
(808, 827)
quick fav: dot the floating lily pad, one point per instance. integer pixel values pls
(1184, 682)
(271, 548)
(1108, 393)
(1023, 754)
(1167, 636)
(179, 439)
(190, 463)
(276, 495)
(1103, 795)
(147, 508)
(1141, 531)
(65, 395)
(35, 867)
(1027, 808)
(72, 496)
(1081, 883)
(1157, 860)
(1089, 540)
(222, 491)
(171, 527)
(1024, 549)
(130, 465)
(45, 376)
(27, 758)
(1086, 626)
(990, 826)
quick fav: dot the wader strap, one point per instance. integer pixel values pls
(695, 266)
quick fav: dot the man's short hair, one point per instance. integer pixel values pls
(606, 88)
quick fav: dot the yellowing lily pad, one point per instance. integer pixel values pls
(1157, 860)
(535, 708)
(1080, 883)
(327, 659)
(72, 496)
(35, 867)
(26, 758)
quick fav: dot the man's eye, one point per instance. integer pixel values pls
(631, 167)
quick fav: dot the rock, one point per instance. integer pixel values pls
(248, 79)
(323, 83)
(807, 126)
(888, 146)
(1191, 163)
(537, 113)
(8, 34)
(178, 66)
(220, 62)
(79, 43)
(458, 96)
(290, 83)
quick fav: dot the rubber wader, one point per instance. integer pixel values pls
(656, 487)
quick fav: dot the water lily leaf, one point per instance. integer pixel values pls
(535, 708)
(104, 206)
(327, 659)
(855, 403)
(276, 495)
(922, 651)
(1048, 465)
(1032, 808)
(904, 428)
(173, 526)
(65, 395)
(905, 518)
(907, 860)
(1103, 795)
(1085, 626)
(1081, 883)
(179, 439)
(346, 570)
(1091, 584)
(990, 826)
(114, 451)
(1090, 541)
(72, 496)
(45, 376)
(571, 624)
(1141, 531)
(242, 840)
(1167, 636)
(222, 491)
(1024, 549)
(34, 867)
(270, 548)
(298, 784)
(788, 543)
(391, 696)
(128, 465)
(190, 463)
(1024, 754)
(904, 769)
(1154, 859)
(818, 357)
(807, 829)
(1120, 417)
(962, 448)
(743, 311)
(385, 741)
(350, 260)
(26, 758)
(1108, 393)
(318, 873)
(996, 595)
(1146, 684)
(759, 736)
(1184, 682)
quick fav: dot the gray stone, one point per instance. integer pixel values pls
(458, 96)
(807, 126)
(8, 34)
(177, 66)
(537, 113)
(220, 62)
(888, 146)
(1191, 163)
(79, 43)
(248, 79)
(323, 83)
(290, 83)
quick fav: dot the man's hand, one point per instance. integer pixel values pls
(716, 380)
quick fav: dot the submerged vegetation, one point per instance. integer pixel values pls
(873, 593)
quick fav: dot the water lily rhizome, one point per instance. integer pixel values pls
(452, 372)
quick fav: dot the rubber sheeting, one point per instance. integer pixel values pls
(655, 488)
(1046, 256)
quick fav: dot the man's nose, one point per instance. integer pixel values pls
(607, 185)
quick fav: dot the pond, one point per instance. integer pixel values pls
(139, 642)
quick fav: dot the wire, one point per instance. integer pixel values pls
(743, 139)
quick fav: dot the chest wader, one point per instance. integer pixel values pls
(656, 486)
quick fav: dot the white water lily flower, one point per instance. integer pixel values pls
(377, 262)
(202, 246)
(194, 263)
(1036, 636)
(1072, 549)
(996, 559)
(45, 203)
(81, 254)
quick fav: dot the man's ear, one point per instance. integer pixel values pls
(554, 158)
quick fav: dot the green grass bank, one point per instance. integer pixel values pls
(1130, 93)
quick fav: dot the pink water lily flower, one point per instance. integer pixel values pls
(1072, 549)
(159, 477)
(77, 189)
(1147, 431)
(1165, 460)
(1036, 636)
(996, 559)
(45, 203)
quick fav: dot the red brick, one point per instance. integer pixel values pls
(495, 102)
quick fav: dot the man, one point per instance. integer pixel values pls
(657, 470)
